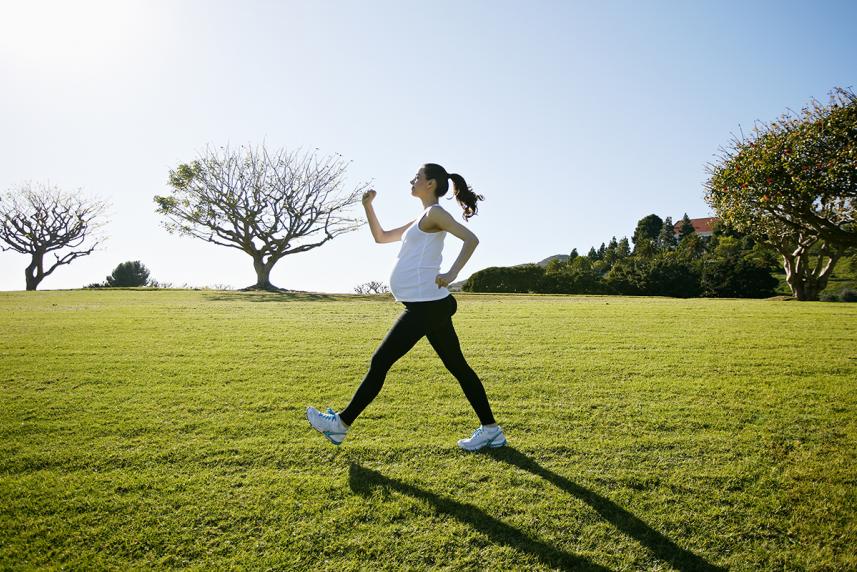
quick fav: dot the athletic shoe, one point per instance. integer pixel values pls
(491, 436)
(328, 424)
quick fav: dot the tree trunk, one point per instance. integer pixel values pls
(806, 281)
(33, 273)
(263, 273)
(805, 291)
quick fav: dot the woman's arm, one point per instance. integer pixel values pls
(379, 234)
(443, 220)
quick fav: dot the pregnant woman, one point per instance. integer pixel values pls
(417, 283)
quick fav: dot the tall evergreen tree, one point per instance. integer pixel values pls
(610, 255)
(685, 227)
(666, 238)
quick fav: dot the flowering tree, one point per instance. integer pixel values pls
(793, 185)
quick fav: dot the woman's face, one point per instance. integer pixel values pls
(419, 184)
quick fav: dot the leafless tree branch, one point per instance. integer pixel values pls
(268, 204)
(36, 219)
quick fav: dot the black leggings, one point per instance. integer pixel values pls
(432, 319)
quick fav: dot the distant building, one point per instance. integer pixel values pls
(701, 226)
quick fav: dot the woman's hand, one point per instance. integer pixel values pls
(368, 197)
(443, 280)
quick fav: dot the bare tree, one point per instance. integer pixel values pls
(260, 203)
(40, 219)
(372, 287)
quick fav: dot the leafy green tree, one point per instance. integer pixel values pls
(670, 276)
(793, 185)
(629, 276)
(727, 247)
(645, 248)
(648, 227)
(127, 274)
(735, 277)
(592, 254)
(573, 254)
(646, 235)
(690, 248)
(553, 266)
(580, 275)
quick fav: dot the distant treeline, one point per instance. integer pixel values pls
(663, 263)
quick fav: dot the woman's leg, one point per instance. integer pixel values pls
(445, 342)
(403, 335)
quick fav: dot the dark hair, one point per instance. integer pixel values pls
(463, 194)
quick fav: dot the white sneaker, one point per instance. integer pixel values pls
(328, 424)
(491, 436)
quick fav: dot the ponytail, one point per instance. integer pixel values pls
(463, 194)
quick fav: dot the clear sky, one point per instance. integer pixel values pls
(573, 119)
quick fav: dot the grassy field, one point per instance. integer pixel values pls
(166, 429)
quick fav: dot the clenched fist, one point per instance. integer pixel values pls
(368, 197)
(444, 280)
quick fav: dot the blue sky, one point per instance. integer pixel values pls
(573, 119)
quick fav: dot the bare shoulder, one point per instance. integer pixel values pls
(440, 219)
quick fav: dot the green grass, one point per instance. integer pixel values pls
(166, 429)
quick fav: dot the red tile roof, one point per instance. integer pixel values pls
(699, 224)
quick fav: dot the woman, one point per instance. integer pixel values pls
(416, 283)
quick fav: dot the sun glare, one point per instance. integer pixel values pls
(68, 35)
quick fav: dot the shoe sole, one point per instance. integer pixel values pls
(325, 433)
(490, 444)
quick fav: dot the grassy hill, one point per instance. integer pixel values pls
(166, 429)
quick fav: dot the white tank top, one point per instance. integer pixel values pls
(418, 264)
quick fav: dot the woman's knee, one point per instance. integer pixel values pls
(453, 360)
(460, 369)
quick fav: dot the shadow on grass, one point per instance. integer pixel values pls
(259, 296)
(363, 480)
(661, 547)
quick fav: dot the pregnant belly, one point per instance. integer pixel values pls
(413, 276)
